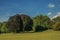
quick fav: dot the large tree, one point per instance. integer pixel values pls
(15, 24)
(42, 20)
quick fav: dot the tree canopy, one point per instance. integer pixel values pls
(15, 24)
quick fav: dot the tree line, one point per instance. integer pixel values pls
(21, 23)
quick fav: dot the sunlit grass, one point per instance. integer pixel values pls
(46, 35)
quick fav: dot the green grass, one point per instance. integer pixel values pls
(46, 35)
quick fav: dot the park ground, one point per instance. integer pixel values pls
(45, 35)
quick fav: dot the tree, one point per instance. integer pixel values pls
(56, 26)
(27, 22)
(57, 19)
(47, 22)
(15, 24)
(42, 20)
(0, 27)
(4, 28)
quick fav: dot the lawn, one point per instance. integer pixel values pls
(46, 35)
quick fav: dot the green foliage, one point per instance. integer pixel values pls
(0, 27)
(57, 19)
(56, 26)
(4, 28)
(42, 20)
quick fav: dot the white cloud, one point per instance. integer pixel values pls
(49, 13)
(51, 5)
(58, 14)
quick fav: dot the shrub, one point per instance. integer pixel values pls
(4, 28)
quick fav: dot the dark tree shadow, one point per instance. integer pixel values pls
(40, 28)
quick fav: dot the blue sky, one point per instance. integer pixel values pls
(28, 7)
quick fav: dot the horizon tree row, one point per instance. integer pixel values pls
(21, 23)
